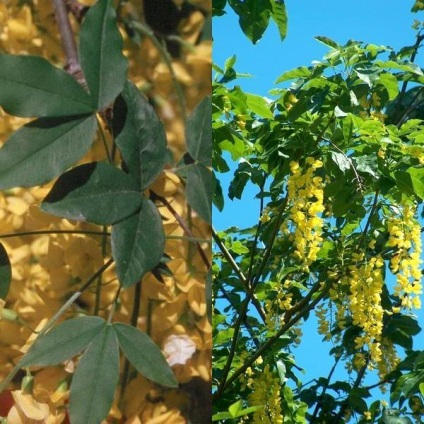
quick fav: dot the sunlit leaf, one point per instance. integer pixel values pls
(279, 15)
(253, 17)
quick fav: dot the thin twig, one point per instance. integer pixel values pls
(227, 255)
(274, 338)
(47, 232)
(185, 228)
(249, 295)
(324, 390)
(133, 321)
(245, 321)
(72, 65)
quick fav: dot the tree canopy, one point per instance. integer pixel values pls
(337, 158)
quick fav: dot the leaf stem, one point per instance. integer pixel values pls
(185, 228)
(104, 141)
(46, 232)
(133, 321)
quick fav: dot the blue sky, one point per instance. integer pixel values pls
(386, 22)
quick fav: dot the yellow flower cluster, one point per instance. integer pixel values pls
(405, 237)
(389, 359)
(305, 196)
(365, 281)
(324, 319)
(266, 392)
(274, 308)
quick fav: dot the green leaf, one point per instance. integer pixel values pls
(259, 105)
(5, 272)
(411, 181)
(78, 193)
(417, 178)
(279, 15)
(63, 342)
(100, 48)
(301, 72)
(199, 190)
(418, 6)
(328, 42)
(144, 355)
(391, 84)
(253, 17)
(199, 133)
(404, 182)
(367, 164)
(95, 379)
(31, 86)
(235, 411)
(400, 329)
(218, 197)
(230, 62)
(43, 149)
(341, 161)
(218, 7)
(138, 243)
(139, 135)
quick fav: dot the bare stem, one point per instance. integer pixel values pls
(69, 45)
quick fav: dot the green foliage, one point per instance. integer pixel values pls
(41, 150)
(101, 57)
(197, 161)
(138, 243)
(139, 135)
(40, 89)
(95, 379)
(144, 355)
(78, 192)
(100, 193)
(254, 16)
(356, 115)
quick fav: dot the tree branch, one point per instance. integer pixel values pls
(72, 65)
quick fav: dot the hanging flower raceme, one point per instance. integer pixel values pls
(265, 391)
(365, 282)
(305, 197)
(405, 237)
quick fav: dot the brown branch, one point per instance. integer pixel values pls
(69, 45)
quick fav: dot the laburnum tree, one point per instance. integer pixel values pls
(337, 160)
(105, 209)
